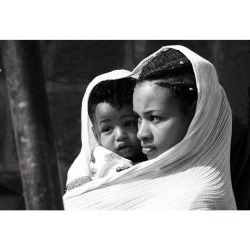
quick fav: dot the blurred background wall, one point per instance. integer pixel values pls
(70, 65)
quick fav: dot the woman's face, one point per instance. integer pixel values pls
(161, 123)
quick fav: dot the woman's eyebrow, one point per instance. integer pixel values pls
(150, 111)
(146, 112)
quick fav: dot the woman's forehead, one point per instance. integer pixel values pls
(149, 87)
(150, 97)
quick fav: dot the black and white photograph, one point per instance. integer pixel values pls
(124, 125)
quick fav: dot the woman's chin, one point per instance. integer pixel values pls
(151, 157)
(151, 153)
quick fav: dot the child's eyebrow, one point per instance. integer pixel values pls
(130, 115)
(105, 120)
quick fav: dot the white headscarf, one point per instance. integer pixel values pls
(80, 172)
(194, 174)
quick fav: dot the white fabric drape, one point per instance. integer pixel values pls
(194, 174)
(80, 172)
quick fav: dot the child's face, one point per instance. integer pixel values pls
(116, 129)
(161, 123)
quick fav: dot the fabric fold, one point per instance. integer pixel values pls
(194, 174)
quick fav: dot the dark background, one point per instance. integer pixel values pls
(70, 65)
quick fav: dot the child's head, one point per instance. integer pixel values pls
(114, 124)
(165, 100)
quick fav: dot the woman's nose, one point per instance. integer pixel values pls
(143, 131)
(120, 134)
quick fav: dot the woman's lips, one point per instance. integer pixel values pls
(147, 149)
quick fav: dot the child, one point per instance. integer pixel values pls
(109, 128)
(114, 126)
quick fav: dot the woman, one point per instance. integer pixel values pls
(192, 172)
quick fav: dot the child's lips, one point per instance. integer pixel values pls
(123, 148)
(122, 145)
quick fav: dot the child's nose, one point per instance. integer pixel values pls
(120, 134)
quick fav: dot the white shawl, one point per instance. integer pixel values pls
(80, 171)
(194, 174)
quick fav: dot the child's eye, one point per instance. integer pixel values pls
(106, 130)
(135, 114)
(130, 123)
(155, 119)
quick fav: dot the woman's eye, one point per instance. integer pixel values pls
(155, 119)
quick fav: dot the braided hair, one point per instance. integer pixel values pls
(171, 69)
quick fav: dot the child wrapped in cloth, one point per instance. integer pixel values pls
(187, 141)
(110, 110)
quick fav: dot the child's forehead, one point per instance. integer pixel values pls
(108, 110)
